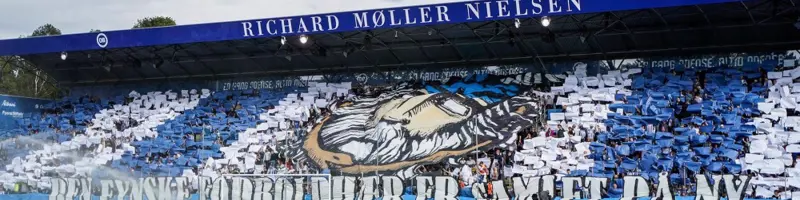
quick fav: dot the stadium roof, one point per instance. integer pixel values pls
(441, 35)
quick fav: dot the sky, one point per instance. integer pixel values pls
(21, 17)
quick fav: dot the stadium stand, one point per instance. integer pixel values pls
(98, 138)
(191, 133)
(633, 122)
(636, 122)
(680, 121)
(545, 112)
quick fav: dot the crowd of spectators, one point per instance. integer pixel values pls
(683, 122)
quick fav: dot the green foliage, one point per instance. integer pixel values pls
(46, 30)
(157, 21)
(21, 78)
(18, 77)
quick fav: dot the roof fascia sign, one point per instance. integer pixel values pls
(459, 12)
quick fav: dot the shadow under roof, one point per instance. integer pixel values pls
(681, 29)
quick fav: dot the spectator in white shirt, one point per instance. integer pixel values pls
(466, 175)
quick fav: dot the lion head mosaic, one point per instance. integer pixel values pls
(399, 130)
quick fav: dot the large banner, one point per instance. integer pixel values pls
(732, 187)
(398, 131)
(733, 60)
(404, 137)
(13, 108)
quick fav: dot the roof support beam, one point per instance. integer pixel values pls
(618, 54)
(260, 46)
(171, 60)
(485, 47)
(702, 12)
(349, 45)
(447, 40)
(421, 48)
(109, 63)
(473, 42)
(179, 48)
(389, 47)
(135, 60)
(523, 46)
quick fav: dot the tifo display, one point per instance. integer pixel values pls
(668, 133)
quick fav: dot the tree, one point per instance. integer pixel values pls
(157, 21)
(22, 78)
(46, 30)
(19, 77)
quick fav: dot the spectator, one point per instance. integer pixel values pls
(483, 172)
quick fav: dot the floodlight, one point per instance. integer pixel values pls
(63, 55)
(545, 21)
(303, 39)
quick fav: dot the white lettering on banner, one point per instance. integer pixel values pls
(732, 60)
(302, 28)
(596, 186)
(263, 188)
(736, 60)
(333, 22)
(424, 188)
(519, 9)
(570, 184)
(393, 21)
(554, 8)
(425, 15)
(248, 28)
(442, 14)
(663, 190)
(260, 29)
(443, 75)
(343, 187)
(410, 16)
(316, 23)
(473, 10)
(502, 7)
(269, 27)
(261, 84)
(361, 20)
(13, 114)
(573, 3)
(735, 187)
(526, 188)
(392, 188)
(704, 190)
(537, 7)
(446, 188)
(378, 18)
(488, 6)
(9, 104)
(499, 190)
(635, 186)
(286, 25)
(370, 187)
